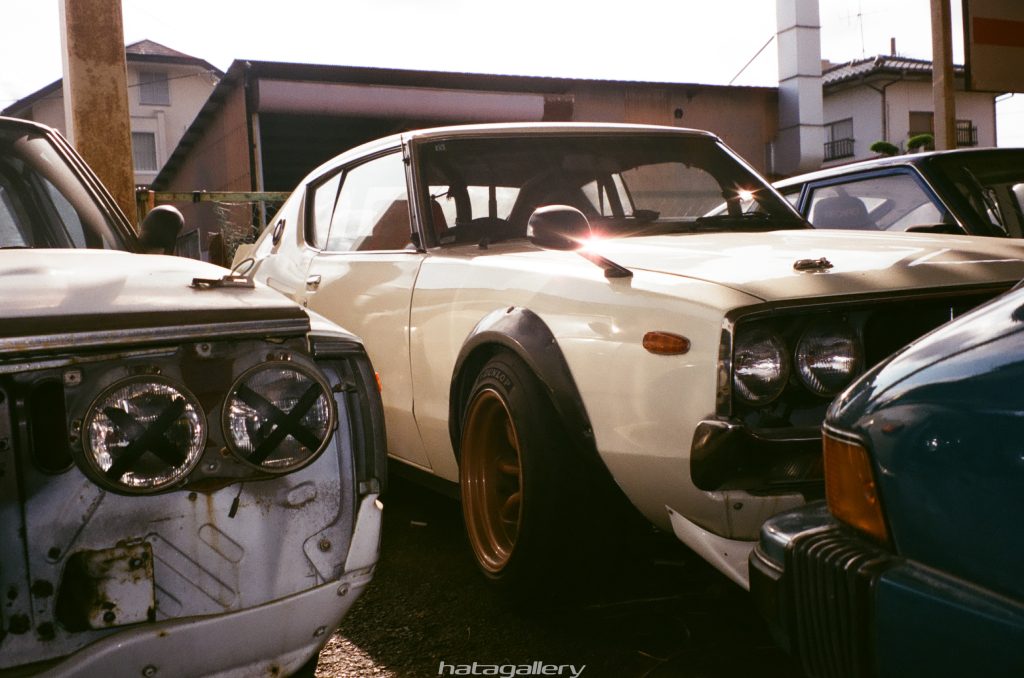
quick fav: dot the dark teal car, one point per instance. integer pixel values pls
(915, 565)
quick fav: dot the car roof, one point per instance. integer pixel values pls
(502, 129)
(913, 159)
(27, 124)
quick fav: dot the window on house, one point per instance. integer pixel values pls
(839, 139)
(966, 133)
(144, 152)
(921, 122)
(153, 88)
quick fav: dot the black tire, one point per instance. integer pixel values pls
(515, 479)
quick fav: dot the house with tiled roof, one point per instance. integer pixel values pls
(166, 89)
(889, 98)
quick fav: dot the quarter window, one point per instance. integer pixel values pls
(372, 210)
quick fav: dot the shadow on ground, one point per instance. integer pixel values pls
(657, 612)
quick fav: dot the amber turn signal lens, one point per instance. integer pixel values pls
(666, 343)
(380, 384)
(850, 487)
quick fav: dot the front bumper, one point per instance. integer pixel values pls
(849, 608)
(728, 455)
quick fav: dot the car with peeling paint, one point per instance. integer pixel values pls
(912, 567)
(563, 314)
(190, 464)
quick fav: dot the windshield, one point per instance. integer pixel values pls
(43, 202)
(990, 185)
(624, 184)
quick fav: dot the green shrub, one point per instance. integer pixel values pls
(925, 141)
(884, 148)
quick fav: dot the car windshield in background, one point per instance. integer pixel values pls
(992, 184)
(625, 185)
(43, 202)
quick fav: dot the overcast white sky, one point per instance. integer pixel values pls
(701, 41)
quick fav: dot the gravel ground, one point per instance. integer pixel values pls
(660, 613)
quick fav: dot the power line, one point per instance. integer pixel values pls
(745, 66)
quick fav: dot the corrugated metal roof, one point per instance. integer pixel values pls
(880, 65)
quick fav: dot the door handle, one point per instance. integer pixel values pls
(313, 282)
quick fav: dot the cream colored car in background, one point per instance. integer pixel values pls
(622, 341)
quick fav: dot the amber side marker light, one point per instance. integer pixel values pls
(666, 343)
(850, 487)
(380, 384)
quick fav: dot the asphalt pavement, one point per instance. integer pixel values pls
(656, 611)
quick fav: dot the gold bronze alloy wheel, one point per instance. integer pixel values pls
(491, 477)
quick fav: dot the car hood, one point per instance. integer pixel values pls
(77, 292)
(762, 264)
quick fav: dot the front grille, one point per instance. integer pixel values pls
(884, 325)
(829, 578)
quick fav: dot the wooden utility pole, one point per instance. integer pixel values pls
(96, 93)
(942, 76)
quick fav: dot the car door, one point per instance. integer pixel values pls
(362, 276)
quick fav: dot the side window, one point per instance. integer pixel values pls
(892, 202)
(372, 210)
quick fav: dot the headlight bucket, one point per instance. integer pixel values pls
(278, 417)
(143, 434)
(828, 356)
(761, 367)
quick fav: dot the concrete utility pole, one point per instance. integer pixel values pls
(942, 76)
(96, 93)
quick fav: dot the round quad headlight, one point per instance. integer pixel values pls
(143, 434)
(828, 356)
(760, 367)
(278, 417)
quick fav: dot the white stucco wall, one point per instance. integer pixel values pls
(864, 104)
(189, 87)
(865, 107)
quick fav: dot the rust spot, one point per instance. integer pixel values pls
(19, 624)
(42, 589)
(46, 631)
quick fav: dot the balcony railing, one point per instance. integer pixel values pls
(840, 148)
(966, 133)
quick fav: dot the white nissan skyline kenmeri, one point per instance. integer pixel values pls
(555, 306)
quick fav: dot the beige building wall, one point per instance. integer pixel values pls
(745, 118)
(188, 88)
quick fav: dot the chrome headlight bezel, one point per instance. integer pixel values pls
(229, 412)
(774, 368)
(819, 345)
(100, 464)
